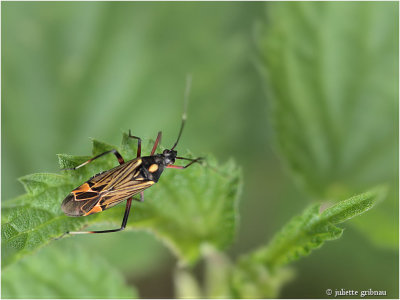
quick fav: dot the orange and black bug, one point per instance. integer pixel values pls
(111, 187)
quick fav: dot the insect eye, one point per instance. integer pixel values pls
(165, 151)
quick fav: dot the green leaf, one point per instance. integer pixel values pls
(354, 206)
(146, 253)
(185, 209)
(310, 230)
(189, 208)
(64, 271)
(37, 183)
(261, 274)
(333, 90)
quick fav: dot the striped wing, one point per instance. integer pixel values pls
(106, 190)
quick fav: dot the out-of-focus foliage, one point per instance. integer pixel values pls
(310, 230)
(333, 87)
(187, 210)
(260, 273)
(64, 271)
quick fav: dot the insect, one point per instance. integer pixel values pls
(130, 178)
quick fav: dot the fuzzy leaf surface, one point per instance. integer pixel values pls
(186, 208)
(260, 274)
(333, 94)
(64, 272)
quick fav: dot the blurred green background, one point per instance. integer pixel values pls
(304, 96)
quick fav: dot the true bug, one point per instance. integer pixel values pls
(111, 187)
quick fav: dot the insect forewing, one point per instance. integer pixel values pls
(106, 190)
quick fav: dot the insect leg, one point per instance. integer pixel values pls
(158, 140)
(139, 143)
(115, 152)
(123, 225)
(192, 161)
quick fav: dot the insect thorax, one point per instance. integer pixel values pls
(153, 166)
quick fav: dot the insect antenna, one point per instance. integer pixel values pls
(184, 115)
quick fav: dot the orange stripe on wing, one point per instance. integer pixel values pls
(82, 189)
(94, 210)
